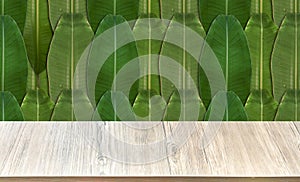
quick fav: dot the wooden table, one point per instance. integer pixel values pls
(250, 149)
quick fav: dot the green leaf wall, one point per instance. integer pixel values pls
(255, 42)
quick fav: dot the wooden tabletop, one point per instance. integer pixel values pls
(252, 149)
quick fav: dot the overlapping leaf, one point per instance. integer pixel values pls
(58, 7)
(226, 106)
(16, 9)
(98, 9)
(228, 41)
(10, 109)
(72, 36)
(289, 108)
(209, 10)
(172, 7)
(283, 7)
(37, 34)
(13, 67)
(37, 106)
(261, 106)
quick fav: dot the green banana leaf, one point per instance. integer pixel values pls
(261, 7)
(226, 106)
(16, 9)
(64, 109)
(148, 50)
(229, 43)
(289, 107)
(116, 59)
(149, 8)
(188, 102)
(179, 53)
(105, 110)
(172, 7)
(147, 109)
(10, 109)
(13, 67)
(285, 59)
(37, 106)
(283, 7)
(209, 10)
(261, 33)
(37, 34)
(261, 106)
(98, 9)
(58, 7)
(34, 81)
(72, 36)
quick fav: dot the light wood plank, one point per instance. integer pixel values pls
(75, 149)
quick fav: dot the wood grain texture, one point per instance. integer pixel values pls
(151, 179)
(74, 149)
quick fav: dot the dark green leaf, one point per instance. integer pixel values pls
(106, 112)
(209, 10)
(228, 41)
(64, 109)
(226, 106)
(98, 9)
(58, 7)
(16, 9)
(261, 106)
(285, 58)
(172, 7)
(37, 34)
(37, 106)
(149, 106)
(261, 33)
(10, 109)
(115, 60)
(282, 7)
(289, 109)
(13, 67)
(183, 107)
(72, 36)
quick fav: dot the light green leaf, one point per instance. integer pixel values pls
(189, 100)
(209, 10)
(261, 106)
(149, 8)
(261, 7)
(261, 33)
(37, 106)
(72, 36)
(34, 81)
(13, 67)
(117, 59)
(37, 34)
(98, 9)
(289, 109)
(181, 25)
(172, 7)
(149, 106)
(228, 41)
(226, 105)
(148, 50)
(105, 110)
(283, 7)
(16, 9)
(64, 109)
(285, 58)
(10, 109)
(58, 7)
